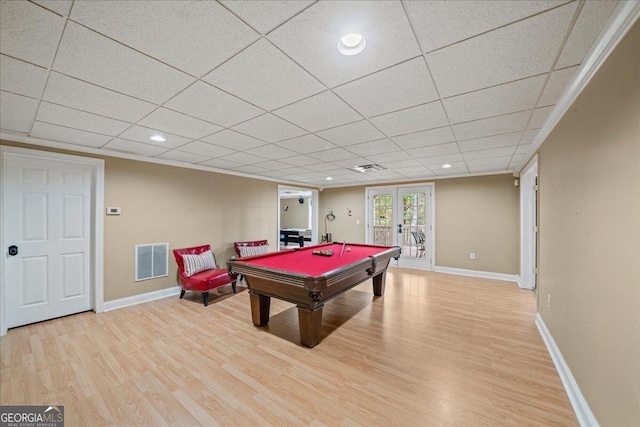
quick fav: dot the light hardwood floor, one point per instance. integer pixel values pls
(436, 350)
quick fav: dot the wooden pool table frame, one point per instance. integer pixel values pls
(309, 293)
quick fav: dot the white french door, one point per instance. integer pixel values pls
(47, 232)
(403, 216)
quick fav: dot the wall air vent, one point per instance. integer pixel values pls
(368, 168)
(152, 261)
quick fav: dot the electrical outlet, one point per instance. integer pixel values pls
(549, 301)
(472, 255)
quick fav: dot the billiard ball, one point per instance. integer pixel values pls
(348, 249)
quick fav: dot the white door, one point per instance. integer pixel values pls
(47, 217)
(402, 216)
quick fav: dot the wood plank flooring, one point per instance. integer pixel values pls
(436, 350)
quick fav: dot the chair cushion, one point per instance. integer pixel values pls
(196, 263)
(206, 280)
(253, 250)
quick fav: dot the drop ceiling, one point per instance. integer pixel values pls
(259, 88)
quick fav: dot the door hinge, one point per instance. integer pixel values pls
(535, 228)
(535, 270)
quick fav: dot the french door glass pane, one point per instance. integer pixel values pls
(382, 219)
(414, 224)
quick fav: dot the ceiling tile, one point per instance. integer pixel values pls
(349, 163)
(556, 86)
(438, 161)
(487, 168)
(592, 18)
(181, 156)
(249, 169)
(499, 161)
(29, 32)
(310, 38)
(269, 128)
(452, 172)
(62, 7)
(234, 140)
(244, 158)
(80, 95)
(490, 153)
(374, 147)
(213, 105)
(520, 50)
(306, 144)
(264, 16)
(327, 168)
(194, 36)
(529, 136)
(437, 166)
(273, 165)
(497, 141)
(143, 134)
(271, 151)
(352, 133)
(117, 67)
(434, 150)
(204, 149)
(419, 175)
(318, 112)
(300, 160)
(264, 76)
(495, 101)
(21, 77)
(492, 126)
(428, 137)
(334, 154)
(422, 117)
(134, 147)
(523, 148)
(438, 23)
(402, 164)
(68, 135)
(68, 117)
(178, 123)
(411, 170)
(17, 112)
(388, 157)
(220, 164)
(401, 86)
(539, 117)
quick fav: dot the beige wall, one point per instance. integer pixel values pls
(481, 215)
(297, 215)
(344, 227)
(589, 175)
(477, 214)
(184, 207)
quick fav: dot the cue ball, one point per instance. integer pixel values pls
(348, 249)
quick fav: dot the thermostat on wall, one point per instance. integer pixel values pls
(113, 211)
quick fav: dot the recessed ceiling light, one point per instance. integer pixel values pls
(446, 166)
(328, 178)
(351, 44)
(158, 138)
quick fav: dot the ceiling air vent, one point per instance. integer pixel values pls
(368, 168)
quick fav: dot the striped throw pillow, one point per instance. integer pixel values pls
(196, 263)
(253, 250)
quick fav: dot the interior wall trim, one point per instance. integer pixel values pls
(618, 25)
(477, 273)
(578, 402)
(141, 298)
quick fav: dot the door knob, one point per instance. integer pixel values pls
(13, 250)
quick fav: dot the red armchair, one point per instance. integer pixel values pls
(201, 281)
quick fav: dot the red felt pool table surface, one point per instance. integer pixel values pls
(303, 261)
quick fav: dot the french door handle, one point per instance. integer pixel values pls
(13, 250)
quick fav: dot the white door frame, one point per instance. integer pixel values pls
(314, 211)
(528, 233)
(432, 215)
(97, 223)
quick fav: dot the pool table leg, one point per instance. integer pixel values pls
(260, 305)
(310, 322)
(378, 284)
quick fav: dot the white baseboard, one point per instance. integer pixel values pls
(578, 402)
(475, 273)
(139, 299)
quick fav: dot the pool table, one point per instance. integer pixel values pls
(309, 280)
